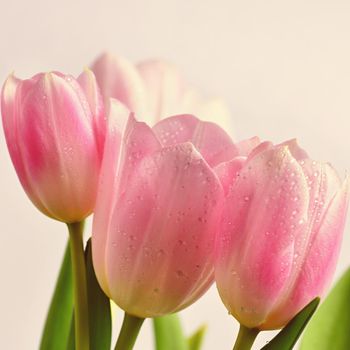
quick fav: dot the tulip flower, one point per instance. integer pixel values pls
(158, 211)
(155, 89)
(54, 127)
(283, 222)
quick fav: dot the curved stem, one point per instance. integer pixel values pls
(129, 332)
(245, 338)
(81, 319)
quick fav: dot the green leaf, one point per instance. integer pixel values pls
(100, 318)
(196, 339)
(168, 333)
(330, 327)
(58, 321)
(288, 336)
(71, 337)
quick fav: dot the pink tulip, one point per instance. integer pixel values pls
(55, 128)
(282, 228)
(158, 211)
(155, 89)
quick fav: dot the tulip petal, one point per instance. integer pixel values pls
(88, 83)
(14, 90)
(297, 152)
(164, 86)
(117, 122)
(209, 139)
(161, 239)
(53, 118)
(9, 119)
(245, 147)
(228, 172)
(322, 183)
(119, 79)
(261, 260)
(215, 110)
(319, 262)
(127, 142)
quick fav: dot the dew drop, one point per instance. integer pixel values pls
(179, 273)
(146, 251)
(160, 252)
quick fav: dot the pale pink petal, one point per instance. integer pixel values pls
(245, 147)
(9, 121)
(127, 142)
(14, 90)
(60, 154)
(210, 140)
(262, 147)
(324, 184)
(255, 256)
(191, 101)
(297, 152)
(282, 245)
(94, 98)
(215, 110)
(119, 79)
(117, 121)
(164, 88)
(161, 239)
(319, 262)
(228, 172)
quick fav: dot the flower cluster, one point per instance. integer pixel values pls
(176, 204)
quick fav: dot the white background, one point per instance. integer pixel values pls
(283, 66)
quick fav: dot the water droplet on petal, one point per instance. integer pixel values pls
(179, 273)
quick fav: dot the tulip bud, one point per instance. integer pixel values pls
(54, 127)
(155, 89)
(282, 227)
(158, 212)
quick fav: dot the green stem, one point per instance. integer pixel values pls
(129, 332)
(81, 319)
(245, 338)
